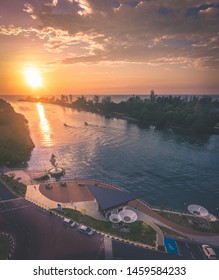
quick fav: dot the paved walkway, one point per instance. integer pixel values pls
(145, 218)
(155, 218)
(89, 207)
(108, 248)
(24, 177)
(77, 196)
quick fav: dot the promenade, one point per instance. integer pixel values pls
(76, 195)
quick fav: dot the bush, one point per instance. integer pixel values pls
(139, 231)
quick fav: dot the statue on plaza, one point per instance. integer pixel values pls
(53, 161)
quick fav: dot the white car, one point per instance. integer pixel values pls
(86, 230)
(69, 222)
(209, 252)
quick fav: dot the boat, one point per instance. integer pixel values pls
(85, 123)
(65, 124)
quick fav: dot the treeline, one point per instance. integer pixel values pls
(200, 114)
(15, 141)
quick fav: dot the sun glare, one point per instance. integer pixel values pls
(33, 78)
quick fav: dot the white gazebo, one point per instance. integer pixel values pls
(198, 210)
(115, 218)
(128, 216)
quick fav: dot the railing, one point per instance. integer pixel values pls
(172, 211)
(97, 181)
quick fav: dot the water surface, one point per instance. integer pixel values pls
(169, 169)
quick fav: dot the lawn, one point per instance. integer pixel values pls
(14, 184)
(167, 231)
(193, 222)
(139, 231)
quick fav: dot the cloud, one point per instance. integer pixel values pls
(210, 11)
(85, 8)
(206, 8)
(55, 2)
(10, 30)
(143, 31)
(55, 40)
(29, 9)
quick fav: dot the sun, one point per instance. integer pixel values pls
(33, 77)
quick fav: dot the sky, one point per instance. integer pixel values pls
(110, 46)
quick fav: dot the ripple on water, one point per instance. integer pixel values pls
(170, 170)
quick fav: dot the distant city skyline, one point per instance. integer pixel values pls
(86, 47)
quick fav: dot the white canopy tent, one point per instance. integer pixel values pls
(115, 218)
(125, 216)
(128, 216)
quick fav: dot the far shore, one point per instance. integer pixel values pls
(179, 114)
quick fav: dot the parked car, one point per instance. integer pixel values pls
(69, 222)
(209, 252)
(86, 230)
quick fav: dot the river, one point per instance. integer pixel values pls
(169, 169)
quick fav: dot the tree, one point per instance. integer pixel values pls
(152, 96)
(106, 100)
(96, 99)
(70, 98)
(81, 101)
(62, 98)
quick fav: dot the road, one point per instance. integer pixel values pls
(40, 235)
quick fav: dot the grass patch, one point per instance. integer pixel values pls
(167, 231)
(14, 184)
(139, 231)
(4, 247)
(195, 223)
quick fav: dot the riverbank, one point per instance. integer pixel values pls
(192, 114)
(15, 142)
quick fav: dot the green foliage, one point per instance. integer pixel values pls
(139, 231)
(190, 113)
(196, 223)
(167, 231)
(15, 142)
(14, 184)
(199, 114)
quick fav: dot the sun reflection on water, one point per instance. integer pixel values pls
(44, 126)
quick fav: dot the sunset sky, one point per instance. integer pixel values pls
(109, 46)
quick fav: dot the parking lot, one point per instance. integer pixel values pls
(40, 235)
(187, 249)
(125, 251)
